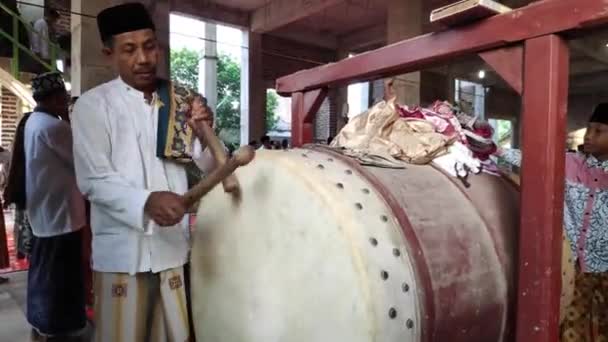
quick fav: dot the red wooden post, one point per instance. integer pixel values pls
(545, 99)
(304, 106)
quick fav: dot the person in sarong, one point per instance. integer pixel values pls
(21, 230)
(585, 311)
(131, 145)
(56, 210)
(14, 191)
(4, 253)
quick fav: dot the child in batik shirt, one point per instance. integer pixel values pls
(586, 228)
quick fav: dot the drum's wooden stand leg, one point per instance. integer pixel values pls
(304, 106)
(545, 102)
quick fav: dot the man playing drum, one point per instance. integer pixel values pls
(134, 180)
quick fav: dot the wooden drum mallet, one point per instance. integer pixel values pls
(241, 157)
(231, 183)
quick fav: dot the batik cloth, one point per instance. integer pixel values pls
(586, 317)
(175, 138)
(142, 307)
(55, 285)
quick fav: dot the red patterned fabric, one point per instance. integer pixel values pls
(14, 263)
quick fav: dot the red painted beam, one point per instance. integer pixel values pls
(508, 62)
(304, 106)
(545, 102)
(535, 20)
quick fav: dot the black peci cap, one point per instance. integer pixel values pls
(123, 18)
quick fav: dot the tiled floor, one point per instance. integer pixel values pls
(13, 325)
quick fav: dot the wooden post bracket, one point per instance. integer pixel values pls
(304, 106)
(508, 62)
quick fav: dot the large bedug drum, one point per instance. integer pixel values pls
(321, 249)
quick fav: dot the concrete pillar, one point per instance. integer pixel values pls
(480, 103)
(405, 21)
(160, 11)
(341, 98)
(89, 67)
(253, 90)
(207, 73)
(322, 122)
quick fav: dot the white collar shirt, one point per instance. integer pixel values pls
(117, 168)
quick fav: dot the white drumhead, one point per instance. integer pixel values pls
(308, 255)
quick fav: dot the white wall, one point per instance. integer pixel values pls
(358, 98)
(284, 109)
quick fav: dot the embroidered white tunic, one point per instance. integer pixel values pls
(114, 131)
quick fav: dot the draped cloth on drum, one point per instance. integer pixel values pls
(381, 132)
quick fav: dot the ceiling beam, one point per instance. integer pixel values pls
(539, 19)
(590, 51)
(309, 38)
(593, 79)
(211, 11)
(361, 39)
(585, 65)
(279, 13)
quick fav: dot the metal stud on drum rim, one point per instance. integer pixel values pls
(361, 199)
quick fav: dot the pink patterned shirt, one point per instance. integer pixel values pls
(585, 208)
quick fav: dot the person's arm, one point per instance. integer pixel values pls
(513, 157)
(510, 156)
(58, 138)
(97, 179)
